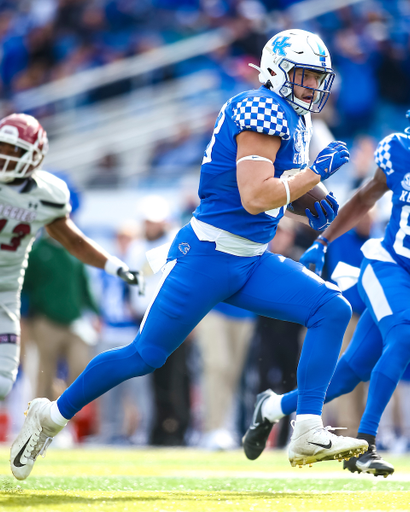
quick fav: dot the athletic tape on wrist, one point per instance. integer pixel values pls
(113, 264)
(286, 185)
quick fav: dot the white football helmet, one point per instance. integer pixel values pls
(288, 51)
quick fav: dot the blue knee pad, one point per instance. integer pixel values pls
(336, 312)
(153, 355)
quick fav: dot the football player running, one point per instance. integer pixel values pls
(30, 199)
(255, 164)
(380, 348)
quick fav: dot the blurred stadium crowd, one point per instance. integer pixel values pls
(46, 40)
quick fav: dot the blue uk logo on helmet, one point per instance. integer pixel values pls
(322, 53)
(279, 44)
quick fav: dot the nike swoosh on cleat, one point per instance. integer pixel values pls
(325, 446)
(16, 461)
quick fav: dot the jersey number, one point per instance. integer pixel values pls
(218, 125)
(21, 230)
(402, 233)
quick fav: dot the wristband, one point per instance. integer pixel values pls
(286, 185)
(113, 264)
(323, 239)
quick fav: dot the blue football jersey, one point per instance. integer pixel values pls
(393, 157)
(261, 111)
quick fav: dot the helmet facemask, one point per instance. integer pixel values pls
(319, 95)
(25, 161)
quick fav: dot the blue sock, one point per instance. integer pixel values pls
(101, 374)
(289, 402)
(343, 381)
(380, 391)
(320, 352)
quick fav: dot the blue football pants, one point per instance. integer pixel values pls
(380, 348)
(195, 279)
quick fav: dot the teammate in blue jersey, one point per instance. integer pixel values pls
(254, 166)
(380, 348)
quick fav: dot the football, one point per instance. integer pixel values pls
(317, 193)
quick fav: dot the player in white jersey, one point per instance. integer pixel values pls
(29, 200)
(379, 351)
(254, 166)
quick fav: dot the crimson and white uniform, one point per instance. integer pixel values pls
(29, 200)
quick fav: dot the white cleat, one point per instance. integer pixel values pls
(311, 442)
(34, 438)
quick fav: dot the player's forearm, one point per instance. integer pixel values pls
(73, 239)
(88, 251)
(270, 193)
(358, 205)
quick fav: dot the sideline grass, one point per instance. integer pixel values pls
(195, 481)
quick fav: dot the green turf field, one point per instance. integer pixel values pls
(191, 480)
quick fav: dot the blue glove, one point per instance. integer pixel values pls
(330, 159)
(323, 220)
(315, 255)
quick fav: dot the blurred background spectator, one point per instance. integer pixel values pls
(57, 289)
(106, 174)
(171, 382)
(125, 411)
(223, 337)
(127, 89)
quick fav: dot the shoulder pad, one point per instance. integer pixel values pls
(389, 149)
(51, 190)
(261, 114)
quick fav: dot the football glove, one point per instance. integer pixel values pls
(322, 220)
(133, 277)
(315, 255)
(330, 159)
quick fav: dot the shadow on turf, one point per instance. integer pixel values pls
(21, 498)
